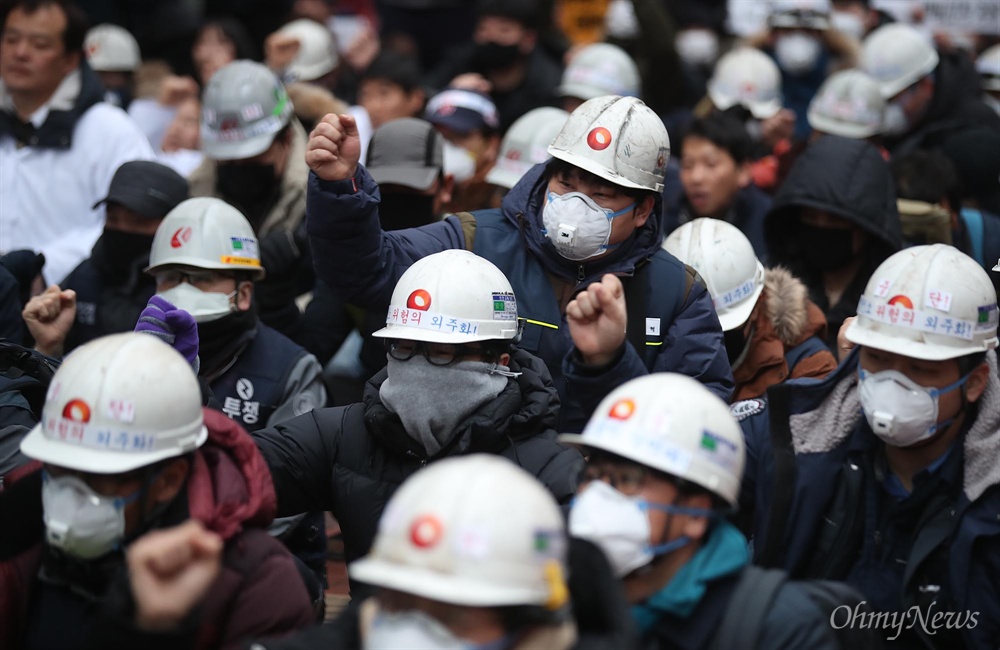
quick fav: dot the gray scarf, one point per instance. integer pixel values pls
(431, 401)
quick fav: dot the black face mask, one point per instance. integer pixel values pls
(826, 249)
(220, 340)
(736, 345)
(494, 56)
(253, 189)
(398, 210)
(117, 252)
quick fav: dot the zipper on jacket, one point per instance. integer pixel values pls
(580, 275)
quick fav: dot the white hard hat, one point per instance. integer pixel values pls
(724, 258)
(673, 424)
(600, 69)
(111, 48)
(794, 14)
(116, 404)
(475, 530)
(988, 66)
(897, 56)
(243, 108)
(619, 139)
(525, 144)
(451, 297)
(206, 233)
(848, 104)
(928, 302)
(317, 53)
(746, 76)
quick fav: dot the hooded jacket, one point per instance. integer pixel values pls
(284, 253)
(681, 331)
(850, 180)
(351, 459)
(787, 321)
(817, 429)
(957, 105)
(259, 590)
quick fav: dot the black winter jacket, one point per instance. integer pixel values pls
(849, 179)
(351, 459)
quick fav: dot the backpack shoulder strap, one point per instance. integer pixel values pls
(747, 608)
(635, 307)
(807, 348)
(468, 221)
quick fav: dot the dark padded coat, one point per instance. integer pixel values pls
(677, 331)
(351, 459)
(848, 179)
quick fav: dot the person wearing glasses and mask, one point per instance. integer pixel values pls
(455, 384)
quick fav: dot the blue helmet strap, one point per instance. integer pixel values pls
(672, 510)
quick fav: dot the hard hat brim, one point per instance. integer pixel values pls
(580, 91)
(393, 331)
(760, 110)
(503, 177)
(448, 588)
(599, 170)
(237, 150)
(906, 347)
(258, 272)
(37, 446)
(741, 313)
(300, 72)
(833, 127)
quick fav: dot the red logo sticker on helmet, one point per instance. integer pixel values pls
(426, 531)
(419, 299)
(901, 301)
(181, 237)
(622, 410)
(76, 410)
(599, 139)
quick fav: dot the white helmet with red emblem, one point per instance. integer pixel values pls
(619, 139)
(475, 530)
(451, 297)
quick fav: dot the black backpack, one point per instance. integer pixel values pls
(754, 594)
(25, 376)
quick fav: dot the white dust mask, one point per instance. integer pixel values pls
(894, 120)
(619, 525)
(797, 53)
(410, 629)
(697, 47)
(900, 411)
(204, 306)
(577, 226)
(459, 162)
(80, 522)
(848, 23)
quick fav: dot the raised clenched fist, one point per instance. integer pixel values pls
(334, 148)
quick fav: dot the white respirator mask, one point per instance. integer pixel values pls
(204, 306)
(578, 227)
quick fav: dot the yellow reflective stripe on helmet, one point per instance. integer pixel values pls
(242, 261)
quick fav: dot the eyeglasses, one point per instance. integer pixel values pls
(173, 277)
(437, 354)
(627, 479)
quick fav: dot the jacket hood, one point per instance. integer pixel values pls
(788, 307)
(847, 178)
(230, 485)
(78, 91)
(834, 412)
(528, 405)
(523, 207)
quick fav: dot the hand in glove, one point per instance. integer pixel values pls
(171, 325)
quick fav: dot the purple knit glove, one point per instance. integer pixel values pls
(171, 325)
